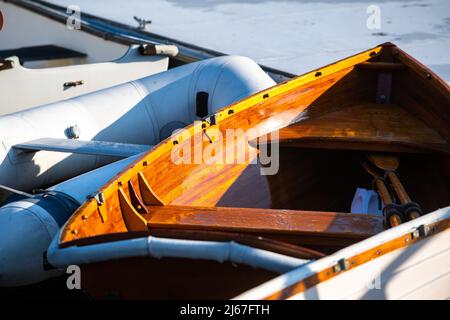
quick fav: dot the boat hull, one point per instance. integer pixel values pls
(409, 261)
(416, 272)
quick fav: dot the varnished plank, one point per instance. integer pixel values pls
(381, 66)
(423, 93)
(368, 123)
(292, 222)
(133, 220)
(148, 195)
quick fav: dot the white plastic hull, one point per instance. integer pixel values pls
(420, 271)
(43, 86)
(106, 64)
(24, 28)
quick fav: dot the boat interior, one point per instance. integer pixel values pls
(377, 120)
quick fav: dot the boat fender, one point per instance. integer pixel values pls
(58, 204)
(27, 226)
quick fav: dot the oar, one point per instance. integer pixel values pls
(394, 219)
(389, 164)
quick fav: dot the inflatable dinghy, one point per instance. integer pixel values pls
(45, 145)
(28, 223)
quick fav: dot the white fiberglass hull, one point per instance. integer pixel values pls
(105, 64)
(24, 28)
(416, 271)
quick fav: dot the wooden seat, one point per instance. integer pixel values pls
(292, 226)
(370, 127)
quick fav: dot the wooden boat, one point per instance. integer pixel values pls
(45, 145)
(69, 61)
(165, 228)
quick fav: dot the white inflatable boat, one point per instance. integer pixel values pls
(48, 144)
(29, 222)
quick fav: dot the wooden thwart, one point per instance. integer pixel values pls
(371, 127)
(381, 66)
(267, 222)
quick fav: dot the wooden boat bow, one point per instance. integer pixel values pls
(337, 107)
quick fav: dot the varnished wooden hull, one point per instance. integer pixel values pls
(144, 278)
(326, 122)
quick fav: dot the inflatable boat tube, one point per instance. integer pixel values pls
(29, 223)
(30, 227)
(142, 112)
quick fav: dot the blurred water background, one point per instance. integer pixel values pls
(293, 35)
